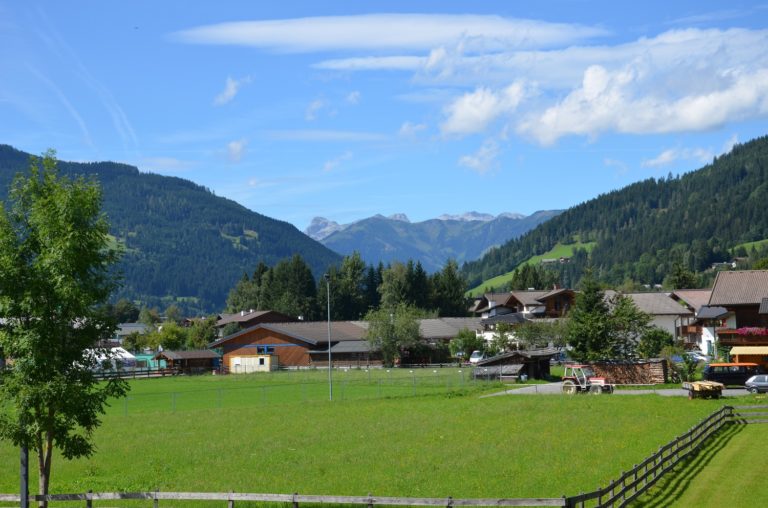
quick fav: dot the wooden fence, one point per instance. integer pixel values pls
(630, 485)
(294, 499)
(620, 492)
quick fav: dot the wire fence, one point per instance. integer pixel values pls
(304, 387)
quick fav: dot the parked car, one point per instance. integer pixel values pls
(757, 384)
(476, 356)
(731, 373)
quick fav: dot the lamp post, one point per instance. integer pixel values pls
(330, 375)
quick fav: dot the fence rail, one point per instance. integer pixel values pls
(294, 499)
(620, 492)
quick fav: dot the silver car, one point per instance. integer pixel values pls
(757, 384)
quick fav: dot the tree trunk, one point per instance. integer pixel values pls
(44, 454)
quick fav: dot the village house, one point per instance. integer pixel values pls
(304, 344)
(744, 329)
(246, 319)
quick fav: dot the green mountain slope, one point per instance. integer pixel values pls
(432, 242)
(182, 243)
(643, 229)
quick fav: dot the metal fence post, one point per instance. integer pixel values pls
(231, 500)
(295, 500)
(89, 499)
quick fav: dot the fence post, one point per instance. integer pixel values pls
(155, 500)
(450, 502)
(89, 499)
(295, 500)
(370, 497)
(230, 500)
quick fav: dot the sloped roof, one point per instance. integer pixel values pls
(512, 318)
(707, 312)
(316, 332)
(658, 304)
(740, 287)
(443, 328)
(529, 353)
(529, 297)
(350, 346)
(556, 292)
(244, 317)
(694, 298)
(188, 355)
(763, 306)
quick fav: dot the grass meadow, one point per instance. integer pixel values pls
(279, 433)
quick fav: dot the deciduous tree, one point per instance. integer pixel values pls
(55, 271)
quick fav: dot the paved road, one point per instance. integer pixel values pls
(555, 389)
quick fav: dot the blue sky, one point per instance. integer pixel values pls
(348, 109)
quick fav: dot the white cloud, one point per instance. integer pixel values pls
(314, 108)
(353, 97)
(373, 63)
(631, 101)
(484, 159)
(409, 130)
(389, 32)
(472, 112)
(231, 87)
(236, 149)
(335, 162)
(672, 155)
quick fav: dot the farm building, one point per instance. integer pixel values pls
(533, 364)
(304, 344)
(190, 362)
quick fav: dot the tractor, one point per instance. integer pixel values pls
(582, 379)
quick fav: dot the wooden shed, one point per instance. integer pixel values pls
(190, 362)
(533, 363)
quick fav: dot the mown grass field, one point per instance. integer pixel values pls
(443, 443)
(557, 251)
(729, 471)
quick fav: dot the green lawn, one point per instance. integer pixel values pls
(450, 443)
(729, 471)
(557, 251)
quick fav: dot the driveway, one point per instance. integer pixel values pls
(556, 389)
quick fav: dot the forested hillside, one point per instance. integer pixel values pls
(432, 242)
(643, 230)
(182, 243)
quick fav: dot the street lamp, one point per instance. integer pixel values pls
(330, 375)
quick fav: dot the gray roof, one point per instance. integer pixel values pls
(763, 306)
(245, 316)
(740, 287)
(711, 312)
(350, 346)
(446, 328)
(693, 298)
(188, 355)
(316, 332)
(657, 304)
(528, 298)
(512, 318)
(525, 353)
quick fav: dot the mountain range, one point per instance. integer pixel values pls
(432, 242)
(182, 244)
(640, 233)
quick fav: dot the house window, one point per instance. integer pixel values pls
(261, 361)
(265, 350)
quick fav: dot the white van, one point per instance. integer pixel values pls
(476, 356)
